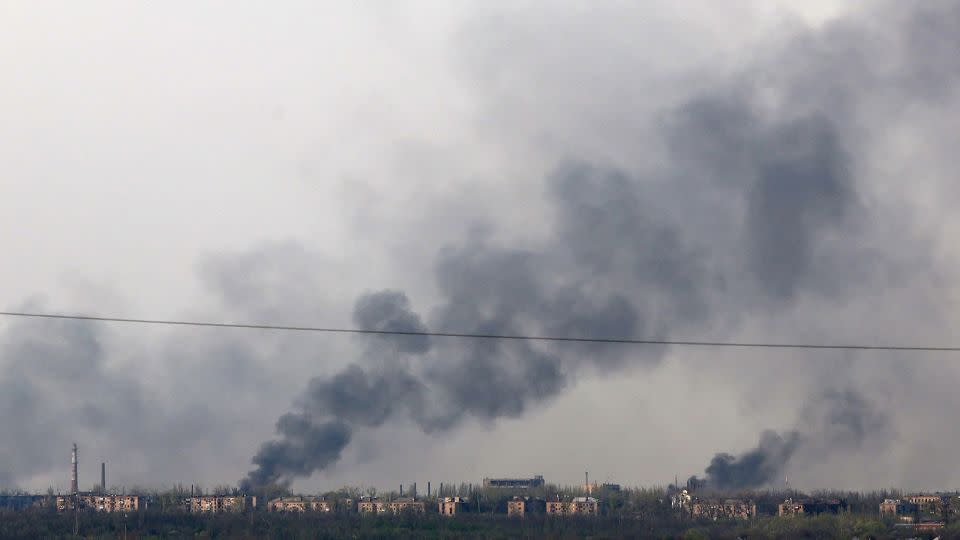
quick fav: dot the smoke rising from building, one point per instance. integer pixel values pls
(836, 421)
(770, 195)
(765, 208)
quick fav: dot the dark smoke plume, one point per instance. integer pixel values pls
(760, 205)
(757, 467)
(837, 422)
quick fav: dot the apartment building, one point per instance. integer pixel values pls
(725, 509)
(521, 506)
(579, 506)
(810, 507)
(299, 504)
(451, 506)
(100, 503)
(220, 503)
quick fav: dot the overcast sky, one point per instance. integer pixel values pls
(742, 170)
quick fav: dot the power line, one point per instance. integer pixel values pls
(516, 337)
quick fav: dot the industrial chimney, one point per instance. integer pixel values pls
(74, 489)
(103, 478)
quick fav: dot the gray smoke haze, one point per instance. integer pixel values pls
(759, 204)
(59, 385)
(799, 190)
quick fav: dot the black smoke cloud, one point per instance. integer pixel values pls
(760, 205)
(838, 421)
(754, 201)
(756, 467)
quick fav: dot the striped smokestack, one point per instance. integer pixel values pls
(74, 489)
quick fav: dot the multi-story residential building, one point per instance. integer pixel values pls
(220, 503)
(927, 503)
(450, 506)
(521, 506)
(580, 506)
(725, 509)
(681, 500)
(406, 504)
(100, 503)
(904, 511)
(299, 504)
(372, 505)
(807, 507)
(924, 501)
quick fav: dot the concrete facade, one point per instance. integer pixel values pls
(579, 506)
(299, 504)
(726, 509)
(220, 503)
(451, 506)
(521, 506)
(100, 503)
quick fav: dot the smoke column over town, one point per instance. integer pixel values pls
(834, 421)
(759, 205)
(639, 170)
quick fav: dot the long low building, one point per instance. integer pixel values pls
(100, 503)
(299, 504)
(514, 483)
(213, 504)
(579, 506)
(810, 507)
(723, 509)
(372, 505)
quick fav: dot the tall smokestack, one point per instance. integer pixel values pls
(103, 478)
(74, 489)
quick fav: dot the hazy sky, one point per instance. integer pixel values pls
(775, 171)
